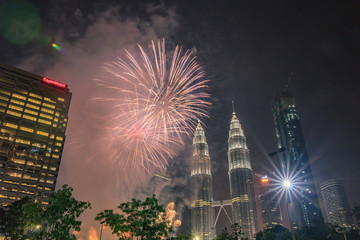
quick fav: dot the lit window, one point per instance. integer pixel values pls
(4, 98)
(15, 107)
(55, 156)
(56, 119)
(32, 106)
(45, 116)
(59, 138)
(49, 105)
(57, 114)
(18, 161)
(6, 124)
(22, 141)
(14, 174)
(31, 112)
(13, 113)
(4, 92)
(19, 96)
(17, 102)
(60, 99)
(42, 133)
(52, 168)
(26, 129)
(29, 117)
(35, 95)
(44, 121)
(54, 125)
(49, 100)
(47, 110)
(58, 144)
(34, 101)
(52, 136)
(49, 181)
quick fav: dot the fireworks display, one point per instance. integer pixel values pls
(159, 99)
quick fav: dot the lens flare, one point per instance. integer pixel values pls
(56, 47)
(158, 100)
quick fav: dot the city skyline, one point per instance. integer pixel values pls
(248, 52)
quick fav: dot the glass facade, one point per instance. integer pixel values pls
(241, 181)
(305, 211)
(270, 204)
(202, 213)
(336, 204)
(33, 120)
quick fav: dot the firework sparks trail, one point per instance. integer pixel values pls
(160, 99)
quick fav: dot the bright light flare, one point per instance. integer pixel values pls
(57, 47)
(287, 184)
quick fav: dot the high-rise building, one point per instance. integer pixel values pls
(336, 203)
(33, 119)
(306, 210)
(202, 213)
(270, 204)
(241, 181)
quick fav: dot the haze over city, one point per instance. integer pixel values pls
(248, 51)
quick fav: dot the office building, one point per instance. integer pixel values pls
(33, 120)
(336, 204)
(270, 204)
(304, 210)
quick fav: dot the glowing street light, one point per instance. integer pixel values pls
(287, 184)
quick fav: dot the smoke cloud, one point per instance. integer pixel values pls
(86, 162)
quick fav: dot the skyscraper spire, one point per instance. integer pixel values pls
(202, 215)
(241, 180)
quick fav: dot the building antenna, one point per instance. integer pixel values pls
(233, 107)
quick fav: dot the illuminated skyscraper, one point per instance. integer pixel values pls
(241, 181)
(305, 211)
(202, 214)
(270, 205)
(33, 119)
(336, 204)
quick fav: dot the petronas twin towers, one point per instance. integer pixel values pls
(241, 185)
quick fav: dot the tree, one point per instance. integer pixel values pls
(62, 214)
(356, 212)
(138, 220)
(25, 219)
(234, 235)
(12, 220)
(278, 232)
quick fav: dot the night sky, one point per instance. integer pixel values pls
(249, 51)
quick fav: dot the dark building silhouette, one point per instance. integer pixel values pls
(304, 210)
(33, 119)
(270, 204)
(336, 204)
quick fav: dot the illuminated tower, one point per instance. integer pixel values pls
(304, 210)
(33, 119)
(202, 215)
(336, 204)
(241, 181)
